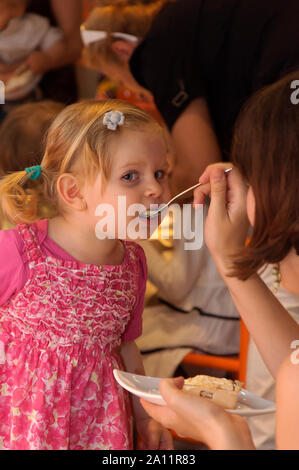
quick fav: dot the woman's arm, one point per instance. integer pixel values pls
(226, 226)
(287, 404)
(270, 324)
(69, 17)
(195, 145)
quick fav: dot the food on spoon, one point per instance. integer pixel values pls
(223, 392)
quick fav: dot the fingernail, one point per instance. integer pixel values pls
(218, 176)
(196, 206)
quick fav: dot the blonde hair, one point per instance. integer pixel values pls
(77, 143)
(125, 16)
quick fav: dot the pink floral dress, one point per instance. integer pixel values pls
(60, 334)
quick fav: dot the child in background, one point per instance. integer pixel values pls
(23, 136)
(25, 40)
(71, 303)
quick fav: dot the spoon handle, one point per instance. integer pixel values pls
(192, 187)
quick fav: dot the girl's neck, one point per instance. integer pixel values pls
(81, 243)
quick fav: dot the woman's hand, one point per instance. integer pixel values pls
(153, 436)
(199, 418)
(38, 62)
(226, 225)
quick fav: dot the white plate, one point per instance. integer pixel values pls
(148, 388)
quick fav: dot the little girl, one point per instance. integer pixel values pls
(70, 301)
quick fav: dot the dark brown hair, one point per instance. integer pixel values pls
(266, 151)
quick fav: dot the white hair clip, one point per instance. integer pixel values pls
(113, 119)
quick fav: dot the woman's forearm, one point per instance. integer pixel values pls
(270, 325)
(69, 16)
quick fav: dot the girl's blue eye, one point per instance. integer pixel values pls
(160, 174)
(130, 176)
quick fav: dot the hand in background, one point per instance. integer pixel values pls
(153, 436)
(38, 62)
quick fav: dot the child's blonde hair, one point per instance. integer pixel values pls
(77, 143)
(125, 16)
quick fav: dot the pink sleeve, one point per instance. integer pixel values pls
(12, 269)
(134, 327)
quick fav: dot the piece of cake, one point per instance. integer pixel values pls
(223, 392)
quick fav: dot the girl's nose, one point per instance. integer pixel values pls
(153, 189)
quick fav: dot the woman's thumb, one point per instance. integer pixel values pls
(218, 190)
(170, 387)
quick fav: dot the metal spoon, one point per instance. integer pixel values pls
(150, 214)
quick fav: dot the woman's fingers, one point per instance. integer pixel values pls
(216, 189)
(205, 177)
(200, 194)
(188, 415)
(218, 196)
(162, 414)
(171, 390)
(212, 171)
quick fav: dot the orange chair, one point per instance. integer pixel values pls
(234, 364)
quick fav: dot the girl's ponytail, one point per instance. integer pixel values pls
(21, 197)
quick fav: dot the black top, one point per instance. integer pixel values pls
(222, 50)
(43, 8)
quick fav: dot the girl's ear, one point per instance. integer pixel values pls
(69, 190)
(123, 49)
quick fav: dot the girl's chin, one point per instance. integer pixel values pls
(135, 229)
(142, 230)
